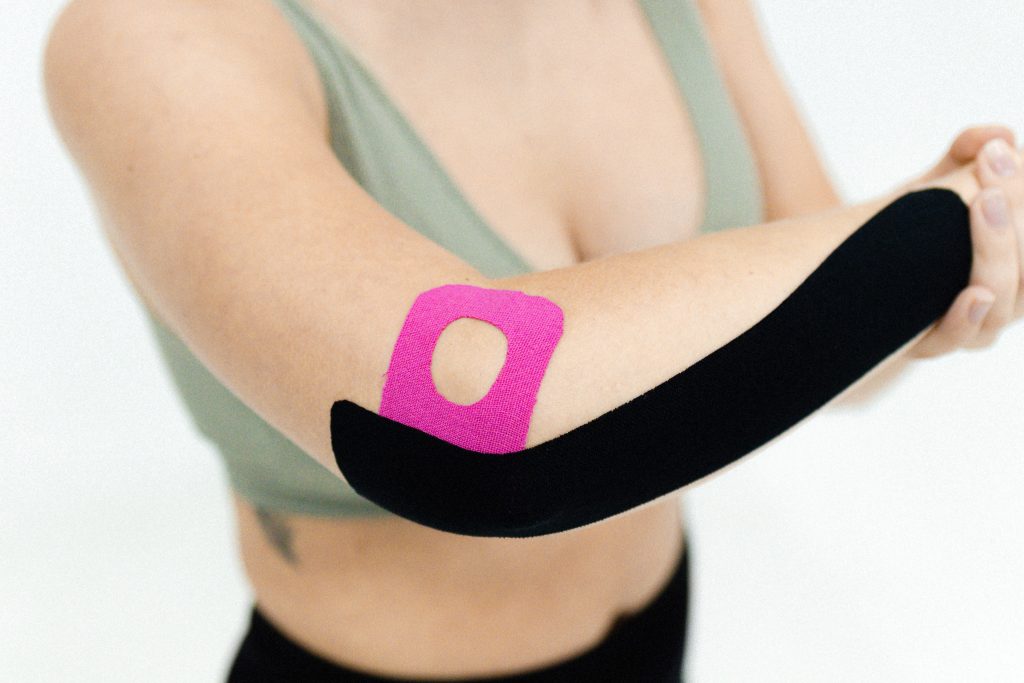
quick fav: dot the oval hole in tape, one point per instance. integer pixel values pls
(489, 347)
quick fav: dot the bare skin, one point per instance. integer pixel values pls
(393, 597)
(427, 603)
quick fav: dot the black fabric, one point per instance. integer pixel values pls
(882, 286)
(647, 646)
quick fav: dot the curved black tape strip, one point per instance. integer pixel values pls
(876, 291)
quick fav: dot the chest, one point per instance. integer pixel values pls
(560, 123)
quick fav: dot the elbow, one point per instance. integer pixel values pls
(425, 480)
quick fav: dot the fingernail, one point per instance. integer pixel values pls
(995, 209)
(978, 310)
(1000, 157)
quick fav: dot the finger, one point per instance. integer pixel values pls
(1009, 176)
(995, 259)
(958, 326)
(969, 142)
(967, 145)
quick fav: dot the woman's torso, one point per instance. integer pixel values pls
(562, 125)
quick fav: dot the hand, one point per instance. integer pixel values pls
(964, 150)
(995, 293)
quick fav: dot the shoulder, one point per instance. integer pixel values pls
(129, 49)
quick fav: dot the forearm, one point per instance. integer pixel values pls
(662, 379)
(634, 320)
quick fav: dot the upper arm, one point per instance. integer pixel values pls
(794, 178)
(204, 148)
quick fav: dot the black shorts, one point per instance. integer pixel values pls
(646, 647)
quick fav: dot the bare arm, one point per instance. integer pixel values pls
(795, 179)
(796, 182)
(239, 227)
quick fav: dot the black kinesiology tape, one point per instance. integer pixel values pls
(886, 283)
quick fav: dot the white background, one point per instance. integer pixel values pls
(875, 544)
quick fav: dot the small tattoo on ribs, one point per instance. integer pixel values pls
(278, 533)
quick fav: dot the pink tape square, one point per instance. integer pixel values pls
(498, 422)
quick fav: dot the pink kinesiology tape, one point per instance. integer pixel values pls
(498, 422)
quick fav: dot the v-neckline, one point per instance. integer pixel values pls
(441, 172)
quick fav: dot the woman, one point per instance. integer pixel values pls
(281, 179)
